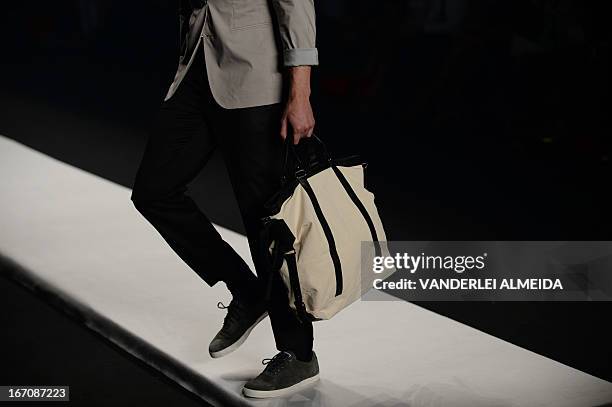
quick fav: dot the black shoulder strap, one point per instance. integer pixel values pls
(294, 279)
(276, 233)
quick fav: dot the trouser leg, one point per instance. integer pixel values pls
(252, 148)
(180, 143)
(188, 127)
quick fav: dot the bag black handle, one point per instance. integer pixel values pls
(300, 163)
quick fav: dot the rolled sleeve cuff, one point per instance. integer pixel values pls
(301, 56)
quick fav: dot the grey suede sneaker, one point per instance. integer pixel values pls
(283, 375)
(240, 320)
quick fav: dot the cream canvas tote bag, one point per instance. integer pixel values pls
(314, 233)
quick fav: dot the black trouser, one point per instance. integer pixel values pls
(188, 127)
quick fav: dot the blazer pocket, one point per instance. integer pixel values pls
(250, 13)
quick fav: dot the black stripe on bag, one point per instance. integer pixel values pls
(364, 212)
(328, 233)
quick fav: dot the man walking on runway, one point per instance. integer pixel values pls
(242, 85)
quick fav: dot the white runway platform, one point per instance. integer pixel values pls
(77, 238)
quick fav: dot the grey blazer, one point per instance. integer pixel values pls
(246, 45)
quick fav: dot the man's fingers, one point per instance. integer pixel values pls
(299, 133)
(310, 131)
(298, 125)
(296, 137)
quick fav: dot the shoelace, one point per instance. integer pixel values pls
(275, 364)
(233, 310)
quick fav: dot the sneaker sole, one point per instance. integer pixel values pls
(240, 341)
(264, 394)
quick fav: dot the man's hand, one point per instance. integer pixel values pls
(298, 115)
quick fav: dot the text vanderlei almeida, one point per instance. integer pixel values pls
(457, 264)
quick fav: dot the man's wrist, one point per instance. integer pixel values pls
(299, 82)
(298, 94)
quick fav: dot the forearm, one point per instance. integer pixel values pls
(298, 115)
(296, 25)
(299, 82)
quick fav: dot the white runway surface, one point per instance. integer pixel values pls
(79, 236)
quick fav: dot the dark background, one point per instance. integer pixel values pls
(480, 119)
